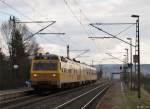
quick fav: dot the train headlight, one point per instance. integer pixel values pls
(54, 75)
(35, 75)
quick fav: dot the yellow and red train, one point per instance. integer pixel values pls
(51, 71)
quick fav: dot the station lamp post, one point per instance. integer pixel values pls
(130, 39)
(138, 46)
(127, 55)
(137, 57)
(125, 58)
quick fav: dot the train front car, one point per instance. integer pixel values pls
(45, 72)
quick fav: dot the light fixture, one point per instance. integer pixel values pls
(35, 75)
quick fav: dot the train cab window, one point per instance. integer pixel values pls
(45, 66)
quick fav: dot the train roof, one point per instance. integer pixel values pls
(57, 57)
(46, 56)
(64, 59)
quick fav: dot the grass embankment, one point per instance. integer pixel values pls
(134, 103)
(147, 88)
(146, 83)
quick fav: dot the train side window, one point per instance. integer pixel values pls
(65, 70)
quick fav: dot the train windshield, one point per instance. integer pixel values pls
(45, 66)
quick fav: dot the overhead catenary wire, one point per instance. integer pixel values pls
(6, 13)
(115, 57)
(47, 40)
(118, 32)
(28, 18)
(39, 31)
(81, 10)
(82, 53)
(113, 36)
(40, 14)
(84, 15)
(22, 14)
(91, 31)
(112, 23)
(62, 39)
(124, 29)
(33, 22)
(110, 34)
(78, 20)
(19, 12)
(2, 1)
(33, 9)
(74, 15)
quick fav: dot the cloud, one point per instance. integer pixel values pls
(76, 36)
(53, 49)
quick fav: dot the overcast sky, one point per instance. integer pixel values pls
(74, 16)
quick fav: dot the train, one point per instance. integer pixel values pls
(52, 71)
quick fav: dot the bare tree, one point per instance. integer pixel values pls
(19, 49)
(32, 48)
(2, 56)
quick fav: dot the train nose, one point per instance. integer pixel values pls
(34, 75)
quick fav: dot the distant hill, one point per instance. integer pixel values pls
(145, 68)
(109, 68)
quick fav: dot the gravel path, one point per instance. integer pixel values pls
(114, 98)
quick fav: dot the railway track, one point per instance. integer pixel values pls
(84, 100)
(51, 100)
(22, 97)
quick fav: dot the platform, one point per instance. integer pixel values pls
(8, 94)
(114, 98)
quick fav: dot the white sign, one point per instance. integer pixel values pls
(16, 66)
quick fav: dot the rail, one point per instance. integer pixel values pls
(72, 100)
